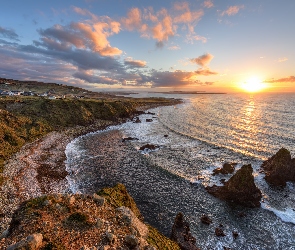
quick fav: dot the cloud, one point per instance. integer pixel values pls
(134, 63)
(203, 60)
(175, 47)
(283, 59)
(286, 79)
(133, 20)
(91, 77)
(8, 33)
(208, 4)
(205, 72)
(232, 10)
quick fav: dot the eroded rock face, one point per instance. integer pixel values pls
(182, 235)
(280, 168)
(240, 189)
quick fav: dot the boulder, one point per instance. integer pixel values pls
(149, 147)
(280, 168)
(182, 235)
(240, 189)
(32, 242)
(227, 168)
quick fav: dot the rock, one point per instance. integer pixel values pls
(150, 113)
(227, 168)
(240, 189)
(165, 136)
(182, 235)
(205, 219)
(235, 234)
(98, 199)
(148, 120)
(149, 147)
(110, 237)
(4, 234)
(280, 168)
(32, 242)
(219, 232)
(99, 223)
(129, 139)
(137, 120)
(131, 241)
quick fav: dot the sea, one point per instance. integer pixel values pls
(194, 138)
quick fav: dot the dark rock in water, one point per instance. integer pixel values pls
(148, 120)
(235, 234)
(150, 113)
(181, 233)
(205, 219)
(240, 189)
(137, 120)
(165, 135)
(149, 146)
(129, 139)
(227, 168)
(280, 168)
(226, 248)
(219, 232)
(242, 214)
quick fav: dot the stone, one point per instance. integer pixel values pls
(181, 233)
(205, 219)
(165, 136)
(98, 199)
(219, 232)
(148, 120)
(137, 120)
(149, 147)
(227, 168)
(239, 189)
(99, 223)
(235, 234)
(32, 242)
(131, 241)
(280, 168)
(150, 113)
(110, 237)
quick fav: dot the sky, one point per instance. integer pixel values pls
(197, 45)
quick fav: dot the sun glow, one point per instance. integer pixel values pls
(253, 85)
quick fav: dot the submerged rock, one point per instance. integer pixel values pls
(240, 189)
(280, 168)
(227, 168)
(129, 139)
(148, 120)
(205, 219)
(182, 235)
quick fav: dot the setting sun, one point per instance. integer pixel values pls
(253, 85)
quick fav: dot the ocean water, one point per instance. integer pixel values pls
(201, 134)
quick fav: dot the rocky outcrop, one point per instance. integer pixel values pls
(227, 168)
(182, 235)
(108, 219)
(240, 189)
(280, 168)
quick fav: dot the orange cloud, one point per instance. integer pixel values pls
(175, 47)
(283, 59)
(133, 19)
(203, 60)
(232, 10)
(208, 4)
(205, 72)
(134, 63)
(286, 79)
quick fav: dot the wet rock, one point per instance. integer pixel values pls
(32, 242)
(227, 168)
(149, 147)
(148, 120)
(137, 120)
(182, 235)
(165, 135)
(226, 248)
(150, 113)
(240, 189)
(219, 232)
(205, 219)
(129, 139)
(235, 234)
(280, 168)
